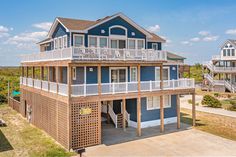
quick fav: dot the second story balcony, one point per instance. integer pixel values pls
(78, 90)
(96, 54)
(219, 69)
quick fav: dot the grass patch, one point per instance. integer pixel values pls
(22, 139)
(215, 124)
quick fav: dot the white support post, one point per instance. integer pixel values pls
(113, 88)
(126, 86)
(85, 89)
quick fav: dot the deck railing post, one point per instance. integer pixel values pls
(113, 88)
(126, 86)
(150, 85)
(85, 89)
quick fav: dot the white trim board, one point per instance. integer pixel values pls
(153, 123)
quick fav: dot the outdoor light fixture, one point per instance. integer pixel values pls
(102, 31)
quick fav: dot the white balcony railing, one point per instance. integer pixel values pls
(214, 68)
(30, 82)
(111, 88)
(92, 53)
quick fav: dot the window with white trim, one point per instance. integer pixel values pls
(103, 42)
(154, 102)
(65, 41)
(166, 73)
(140, 44)
(78, 40)
(93, 42)
(133, 74)
(132, 44)
(74, 73)
(154, 46)
(55, 43)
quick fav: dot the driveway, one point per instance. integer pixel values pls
(188, 142)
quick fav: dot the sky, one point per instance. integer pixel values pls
(194, 29)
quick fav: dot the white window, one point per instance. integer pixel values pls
(114, 44)
(103, 42)
(74, 73)
(64, 41)
(154, 102)
(60, 43)
(166, 73)
(133, 74)
(55, 43)
(140, 44)
(132, 44)
(154, 46)
(93, 42)
(78, 40)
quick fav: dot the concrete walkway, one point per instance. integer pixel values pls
(219, 111)
(183, 143)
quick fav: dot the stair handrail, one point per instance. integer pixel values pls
(113, 115)
(127, 117)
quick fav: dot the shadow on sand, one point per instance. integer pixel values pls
(4, 143)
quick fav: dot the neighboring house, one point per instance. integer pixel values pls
(221, 70)
(179, 61)
(111, 66)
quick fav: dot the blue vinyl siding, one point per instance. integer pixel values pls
(147, 73)
(61, 31)
(148, 115)
(91, 76)
(105, 74)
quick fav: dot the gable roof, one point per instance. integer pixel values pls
(232, 41)
(156, 38)
(82, 26)
(172, 56)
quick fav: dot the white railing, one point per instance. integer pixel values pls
(24, 81)
(45, 85)
(112, 115)
(62, 89)
(212, 81)
(30, 82)
(92, 53)
(127, 117)
(84, 89)
(110, 88)
(214, 68)
(216, 57)
(53, 87)
(37, 84)
(230, 86)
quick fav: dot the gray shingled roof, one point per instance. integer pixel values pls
(172, 56)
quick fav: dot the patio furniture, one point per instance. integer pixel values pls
(80, 151)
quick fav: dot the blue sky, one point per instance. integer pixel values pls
(194, 29)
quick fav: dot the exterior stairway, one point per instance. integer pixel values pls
(120, 121)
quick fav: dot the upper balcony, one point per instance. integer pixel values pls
(96, 54)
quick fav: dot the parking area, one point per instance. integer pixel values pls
(184, 142)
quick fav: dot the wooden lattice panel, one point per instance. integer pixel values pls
(86, 127)
(48, 114)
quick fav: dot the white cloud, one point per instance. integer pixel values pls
(26, 40)
(204, 33)
(211, 38)
(196, 39)
(231, 31)
(44, 25)
(154, 28)
(4, 31)
(186, 43)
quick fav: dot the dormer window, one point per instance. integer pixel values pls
(233, 52)
(78, 40)
(224, 52)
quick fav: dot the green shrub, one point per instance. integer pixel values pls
(3, 99)
(190, 101)
(233, 105)
(216, 94)
(210, 101)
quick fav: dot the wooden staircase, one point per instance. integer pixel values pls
(120, 121)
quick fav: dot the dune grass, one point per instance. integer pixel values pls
(215, 124)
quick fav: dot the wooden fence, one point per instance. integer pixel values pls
(14, 104)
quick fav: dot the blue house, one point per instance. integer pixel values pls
(109, 70)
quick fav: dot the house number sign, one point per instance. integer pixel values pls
(85, 111)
